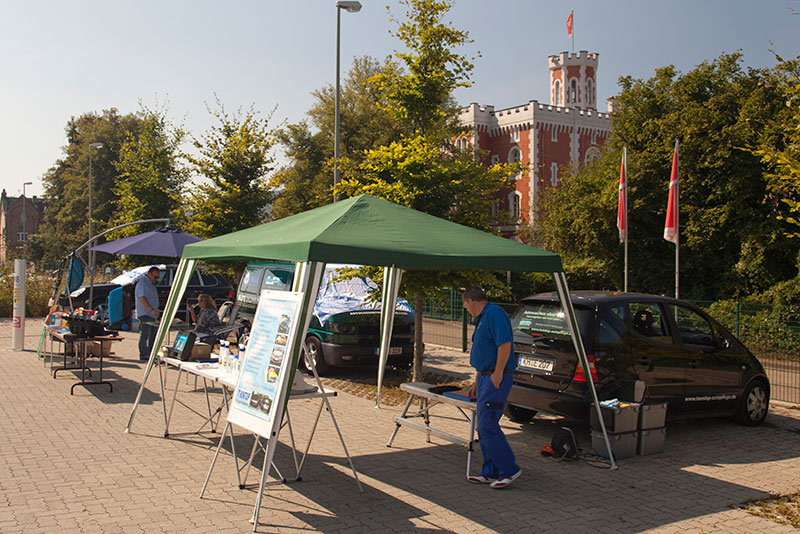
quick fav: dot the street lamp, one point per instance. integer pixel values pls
(24, 218)
(91, 252)
(350, 7)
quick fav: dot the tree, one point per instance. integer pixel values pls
(151, 181)
(307, 181)
(235, 158)
(66, 184)
(730, 235)
(423, 169)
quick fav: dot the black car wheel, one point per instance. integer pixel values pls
(754, 404)
(315, 351)
(519, 414)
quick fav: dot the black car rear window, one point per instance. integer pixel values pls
(548, 319)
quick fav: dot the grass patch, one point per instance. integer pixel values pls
(783, 509)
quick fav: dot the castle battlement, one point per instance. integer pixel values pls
(565, 58)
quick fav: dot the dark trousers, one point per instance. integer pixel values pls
(498, 458)
(147, 336)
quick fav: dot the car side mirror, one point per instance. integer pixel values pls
(723, 343)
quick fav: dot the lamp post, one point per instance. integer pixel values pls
(91, 252)
(350, 7)
(24, 217)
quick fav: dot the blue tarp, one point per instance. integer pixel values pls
(347, 295)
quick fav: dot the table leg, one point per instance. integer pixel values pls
(172, 404)
(402, 415)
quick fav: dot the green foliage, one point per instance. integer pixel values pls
(66, 184)
(38, 290)
(423, 97)
(235, 158)
(417, 173)
(731, 237)
(781, 153)
(307, 181)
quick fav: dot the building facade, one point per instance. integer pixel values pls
(552, 139)
(20, 218)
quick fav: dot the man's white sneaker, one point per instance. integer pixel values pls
(479, 479)
(503, 482)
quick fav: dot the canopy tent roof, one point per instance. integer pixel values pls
(167, 241)
(373, 231)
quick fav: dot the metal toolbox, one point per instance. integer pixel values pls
(622, 445)
(652, 415)
(651, 441)
(625, 418)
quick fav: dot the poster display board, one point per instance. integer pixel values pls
(263, 381)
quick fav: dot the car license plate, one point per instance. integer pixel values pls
(540, 364)
(392, 350)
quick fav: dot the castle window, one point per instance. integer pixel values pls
(22, 237)
(514, 200)
(589, 92)
(557, 91)
(495, 159)
(554, 133)
(495, 207)
(514, 155)
(554, 174)
(573, 91)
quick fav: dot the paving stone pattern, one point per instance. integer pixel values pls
(66, 465)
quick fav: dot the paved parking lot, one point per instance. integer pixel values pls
(66, 465)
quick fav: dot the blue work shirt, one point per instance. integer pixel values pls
(492, 329)
(145, 288)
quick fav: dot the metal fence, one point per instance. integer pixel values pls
(774, 337)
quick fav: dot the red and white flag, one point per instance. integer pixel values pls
(671, 224)
(622, 209)
(569, 23)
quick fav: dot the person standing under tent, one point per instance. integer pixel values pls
(147, 311)
(492, 357)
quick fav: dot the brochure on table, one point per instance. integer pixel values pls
(263, 380)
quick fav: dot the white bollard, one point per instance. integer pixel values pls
(18, 314)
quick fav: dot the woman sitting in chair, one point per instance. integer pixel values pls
(206, 319)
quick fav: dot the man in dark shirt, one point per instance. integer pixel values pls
(492, 357)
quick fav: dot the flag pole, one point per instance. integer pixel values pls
(625, 163)
(573, 30)
(677, 221)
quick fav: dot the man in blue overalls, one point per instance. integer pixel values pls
(492, 357)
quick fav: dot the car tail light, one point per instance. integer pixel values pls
(580, 376)
(230, 294)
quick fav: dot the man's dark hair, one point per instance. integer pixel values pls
(154, 269)
(474, 293)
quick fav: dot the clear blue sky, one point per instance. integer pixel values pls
(62, 59)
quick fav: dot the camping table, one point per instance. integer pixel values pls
(428, 400)
(81, 345)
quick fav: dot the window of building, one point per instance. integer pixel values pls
(592, 154)
(557, 91)
(514, 201)
(495, 208)
(554, 174)
(589, 92)
(22, 236)
(554, 134)
(573, 91)
(514, 155)
(495, 159)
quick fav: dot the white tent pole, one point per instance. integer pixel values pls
(182, 274)
(572, 323)
(391, 285)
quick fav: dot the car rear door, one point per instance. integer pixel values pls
(657, 359)
(714, 371)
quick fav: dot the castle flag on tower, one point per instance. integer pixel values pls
(671, 223)
(569, 23)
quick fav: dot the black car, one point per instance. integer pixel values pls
(680, 354)
(213, 284)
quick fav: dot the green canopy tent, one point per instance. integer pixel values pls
(368, 231)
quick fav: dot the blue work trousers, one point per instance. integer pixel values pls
(498, 458)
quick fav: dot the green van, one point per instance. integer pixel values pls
(345, 328)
